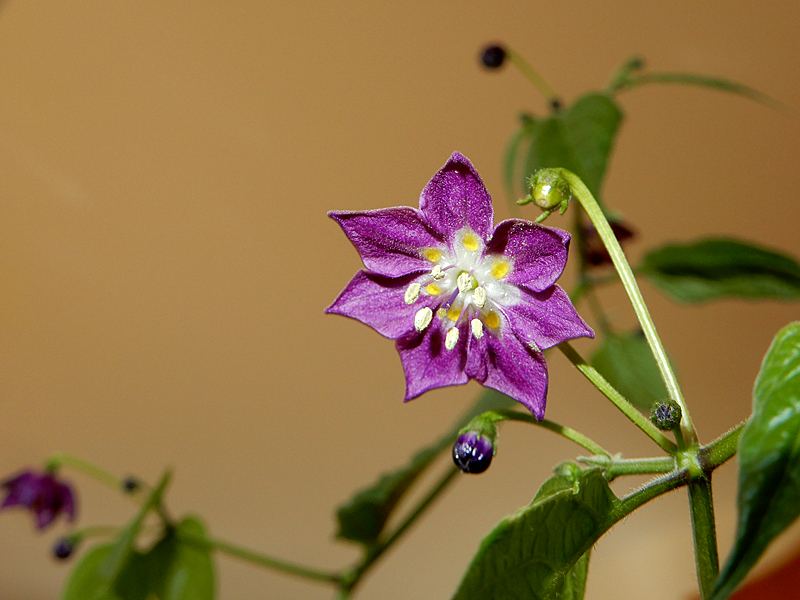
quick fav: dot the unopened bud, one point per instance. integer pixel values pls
(63, 548)
(666, 415)
(473, 452)
(548, 190)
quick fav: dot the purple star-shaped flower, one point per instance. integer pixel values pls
(42, 494)
(461, 298)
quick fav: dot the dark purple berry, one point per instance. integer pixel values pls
(493, 56)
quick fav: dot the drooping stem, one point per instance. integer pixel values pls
(595, 214)
(618, 399)
(350, 579)
(86, 467)
(704, 532)
(532, 74)
(562, 430)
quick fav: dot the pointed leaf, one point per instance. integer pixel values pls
(529, 554)
(769, 460)
(627, 362)
(719, 268)
(717, 83)
(364, 516)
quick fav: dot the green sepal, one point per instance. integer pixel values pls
(718, 268)
(363, 518)
(769, 460)
(627, 362)
(531, 554)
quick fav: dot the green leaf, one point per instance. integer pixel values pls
(363, 518)
(718, 268)
(530, 554)
(627, 362)
(177, 567)
(511, 161)
(191, 573)
(85, 582)
(769, 460)
(578, 139)
(574, 586)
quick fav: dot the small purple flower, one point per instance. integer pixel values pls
(40, 493)
(461, 298)
(473, 452)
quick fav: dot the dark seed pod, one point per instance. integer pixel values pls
(473, 453)
(493, 56)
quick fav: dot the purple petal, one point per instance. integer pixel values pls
(22, 489)
(517, 371)
(546, 318)
(379, 302)
(44, 516)
(456, 198)
(539, 253)
(389, 240)
(428, 364)
(68, 502)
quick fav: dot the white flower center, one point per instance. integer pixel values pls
(468, 283)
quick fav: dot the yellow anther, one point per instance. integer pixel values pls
(500, 269)
(436, 273)
(471, 242)
(432, 289)
(451, 339)
(477, 328)
(441, 313)
(432, 254)
(492, 320)
(532, 345)
(453, 313)
(423, 318)
(412, 293)
(479, 297)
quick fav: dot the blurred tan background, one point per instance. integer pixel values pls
(165, 257)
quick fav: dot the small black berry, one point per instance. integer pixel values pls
(493, 56)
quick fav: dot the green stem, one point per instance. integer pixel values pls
(587, 200)
(351, 579)
(532, 74)
(86, 467)
(260, 559)
(616, 467)
(721, 449)
(652, 489)
(704, 532)
(567, 432)
(618, 399)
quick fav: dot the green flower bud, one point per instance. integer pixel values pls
(666, 415)
(548, 190)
